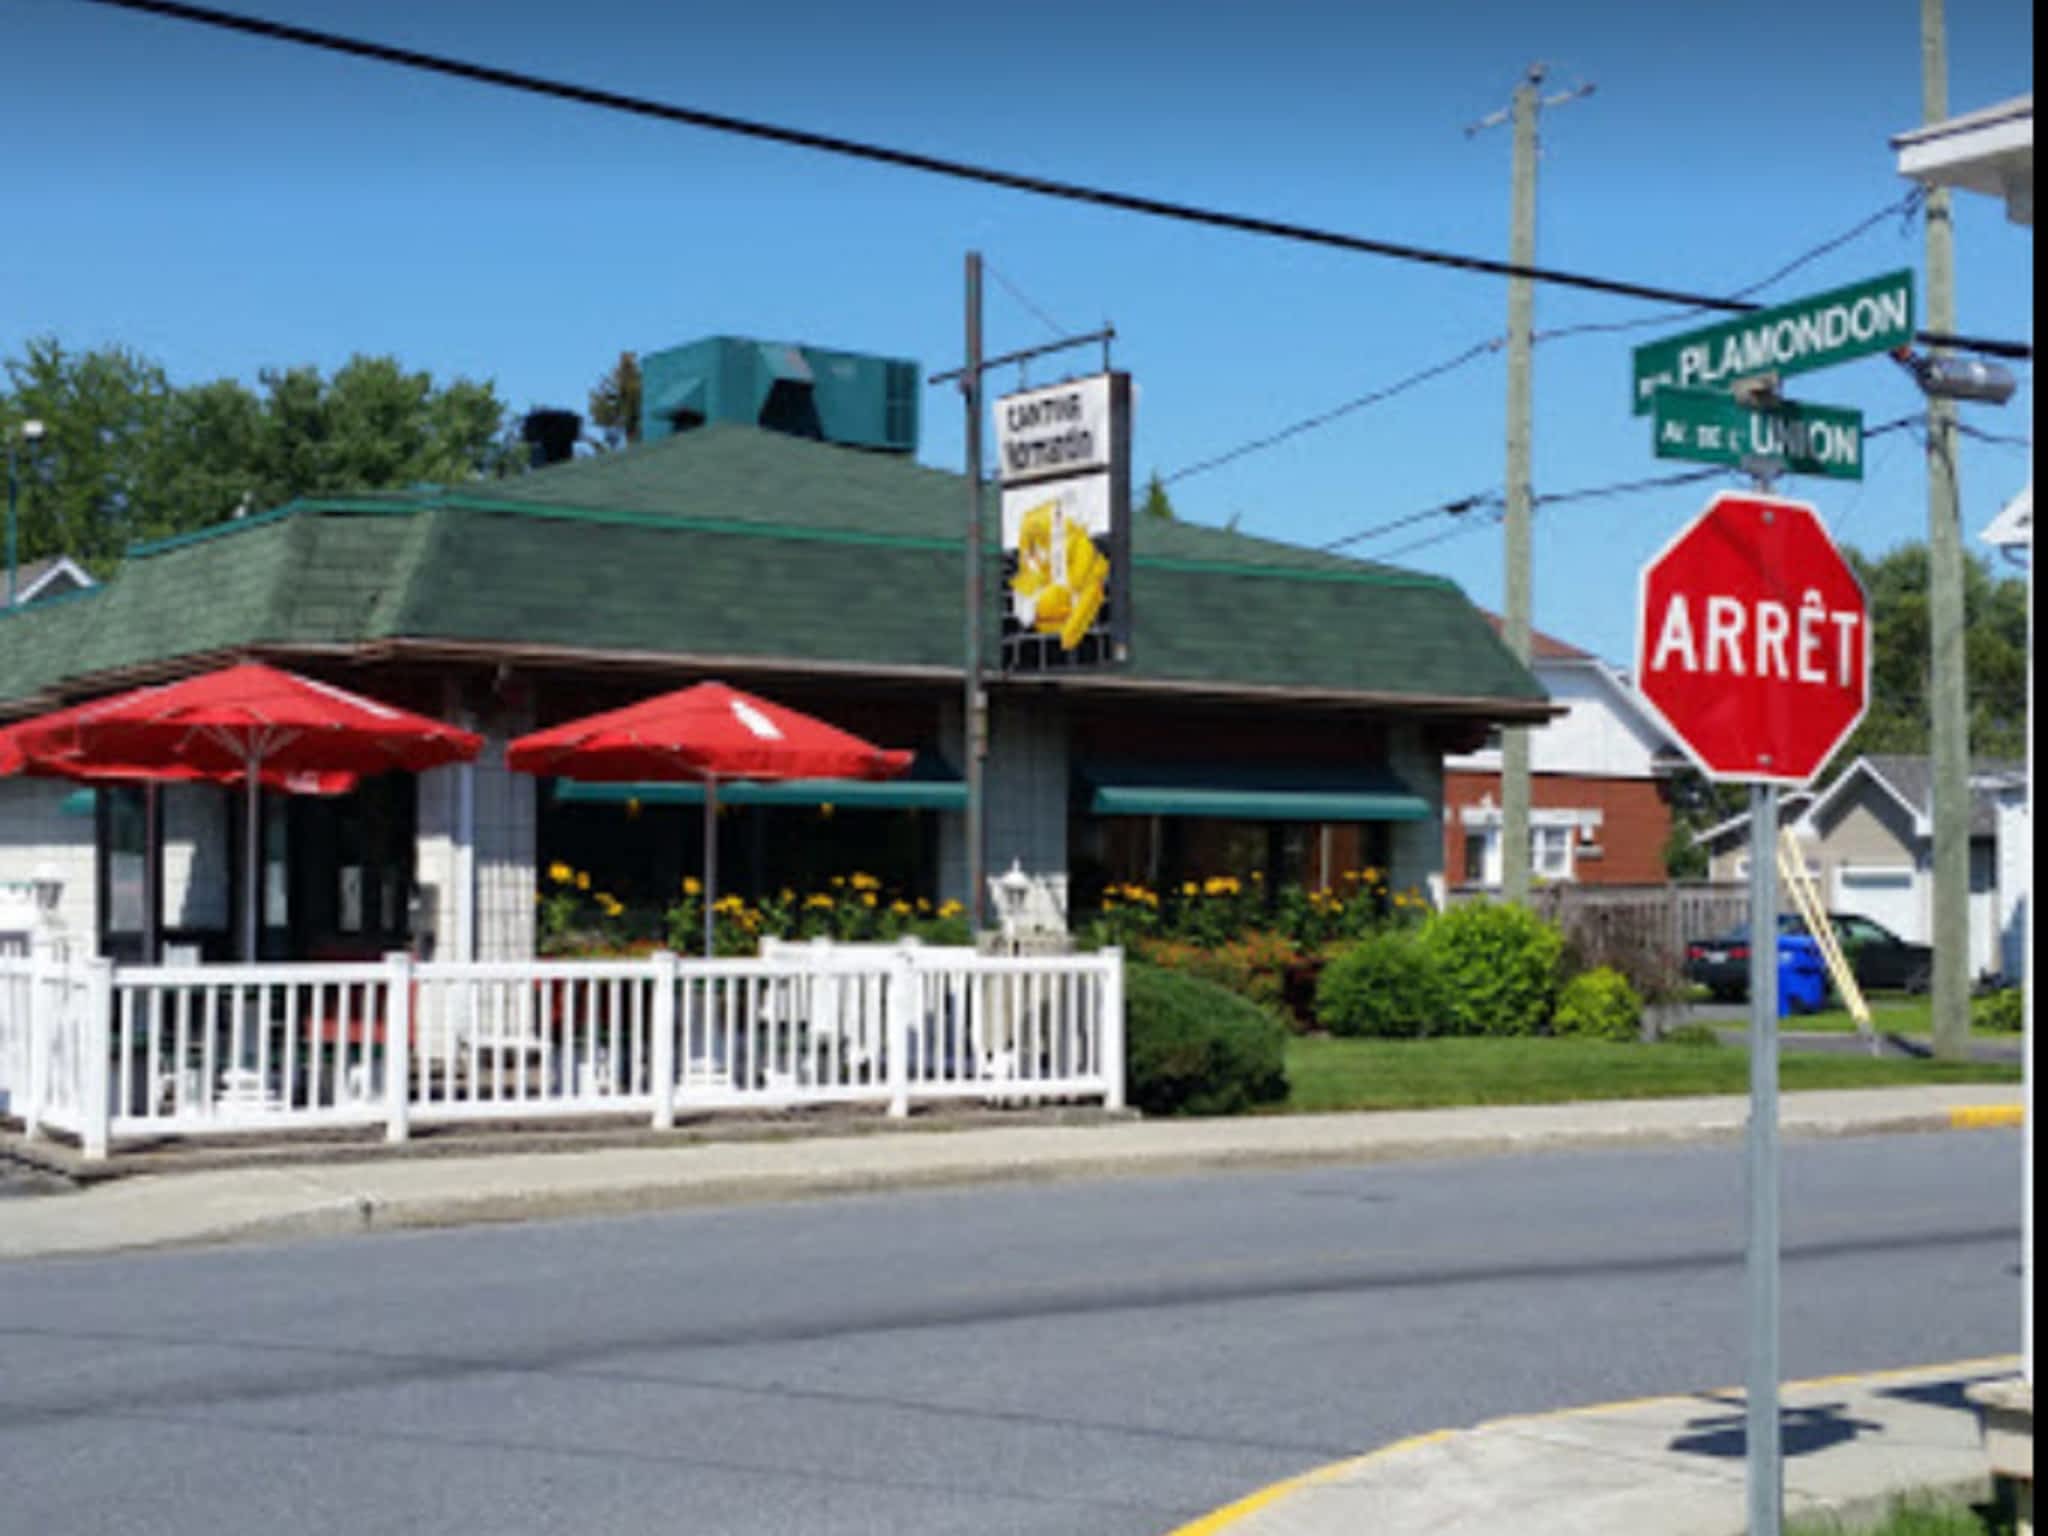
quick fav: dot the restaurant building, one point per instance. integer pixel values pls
(1282, 710)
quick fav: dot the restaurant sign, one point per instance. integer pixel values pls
(1065, 458)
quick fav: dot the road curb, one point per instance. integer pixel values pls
(1235, 1513)
(346, 1198)
(1987, 1117)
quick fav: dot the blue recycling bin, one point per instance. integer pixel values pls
(1802, 977)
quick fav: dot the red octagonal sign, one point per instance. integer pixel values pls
(1753, 640)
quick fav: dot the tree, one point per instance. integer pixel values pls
(83, 484)
(1995, 654)
(1156, 503)
(128, 456)
(615, 402)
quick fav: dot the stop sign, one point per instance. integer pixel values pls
(1753, 640)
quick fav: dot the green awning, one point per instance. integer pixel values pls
(928, 786)
(1251, 792)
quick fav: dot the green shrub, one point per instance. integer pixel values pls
(1599, 1005)
(1193, 1048)
(1495, 967)
(1998, 1012)
(1253, 966)
(1382, 986)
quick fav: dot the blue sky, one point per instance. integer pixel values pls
(226, 204)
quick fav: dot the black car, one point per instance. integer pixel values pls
(1880, 960)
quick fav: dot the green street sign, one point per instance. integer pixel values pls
(1708, 427)
(1833, 327)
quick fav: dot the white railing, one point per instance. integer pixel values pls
(109, 1053)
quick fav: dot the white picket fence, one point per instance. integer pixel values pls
(106, 1053)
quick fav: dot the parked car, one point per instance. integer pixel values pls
(1879, 959)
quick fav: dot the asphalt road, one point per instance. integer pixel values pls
(1088, 1358)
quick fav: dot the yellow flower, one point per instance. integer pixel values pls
(838, 880)
(785, 895)
(923, 905)
(817, 900)
(951, 909)
(632, 808)
(560, 873)
(867, 898)
(1108, 903)
(900, 908)
(825, 811)
(582, 880)
(862, 882)
(692, 886)
(1189, 888)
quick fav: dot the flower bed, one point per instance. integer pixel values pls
(578, 919)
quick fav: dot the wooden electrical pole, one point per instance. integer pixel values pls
(1948, 671)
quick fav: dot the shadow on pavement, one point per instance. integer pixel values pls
(1801, 1431)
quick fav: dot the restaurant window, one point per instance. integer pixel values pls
(123, 869)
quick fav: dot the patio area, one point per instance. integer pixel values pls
(102, 1053)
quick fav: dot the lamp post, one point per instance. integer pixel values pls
(29, 431)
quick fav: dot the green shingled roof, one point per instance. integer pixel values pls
(734, 542)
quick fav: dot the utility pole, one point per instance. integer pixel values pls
(1949, 690)
(1523, 111)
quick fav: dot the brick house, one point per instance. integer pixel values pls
(1599, 804)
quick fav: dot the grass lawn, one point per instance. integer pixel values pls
(1330, 1074)
(1890, 1014)
(1913, 1517)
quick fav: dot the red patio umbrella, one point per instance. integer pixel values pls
(705, 734)
(15, 760)
(251, 723)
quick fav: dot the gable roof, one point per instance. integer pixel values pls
(48, 577)
(1909, 781)
(730, 546)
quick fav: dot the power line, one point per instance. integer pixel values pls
(1022, 298)
(961, 170)
(2002, 439)
(1448, 508)
(1324, 418)
(1624, 487)
(1903, 207)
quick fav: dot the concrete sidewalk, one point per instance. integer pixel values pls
(415, 1187)
(1667, 1466)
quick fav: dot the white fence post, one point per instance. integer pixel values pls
(36, 1088)
(902, 995)
(1112, 1034)
(397, 1045)
(667, 974)
(95, 1048)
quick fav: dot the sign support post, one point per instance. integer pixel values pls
(974, 697)
(1766, 1467)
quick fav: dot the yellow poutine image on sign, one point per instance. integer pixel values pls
(1061, 574)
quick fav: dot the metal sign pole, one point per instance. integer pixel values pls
(973, 704)
(1766, 1472)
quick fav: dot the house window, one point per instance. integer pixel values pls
(1475, 857)
(1550, 852)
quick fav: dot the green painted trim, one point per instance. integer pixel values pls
(850, 794)
(54, 600)
(281, 514)
(1256, 805)
(80, 802)
(661, 521)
